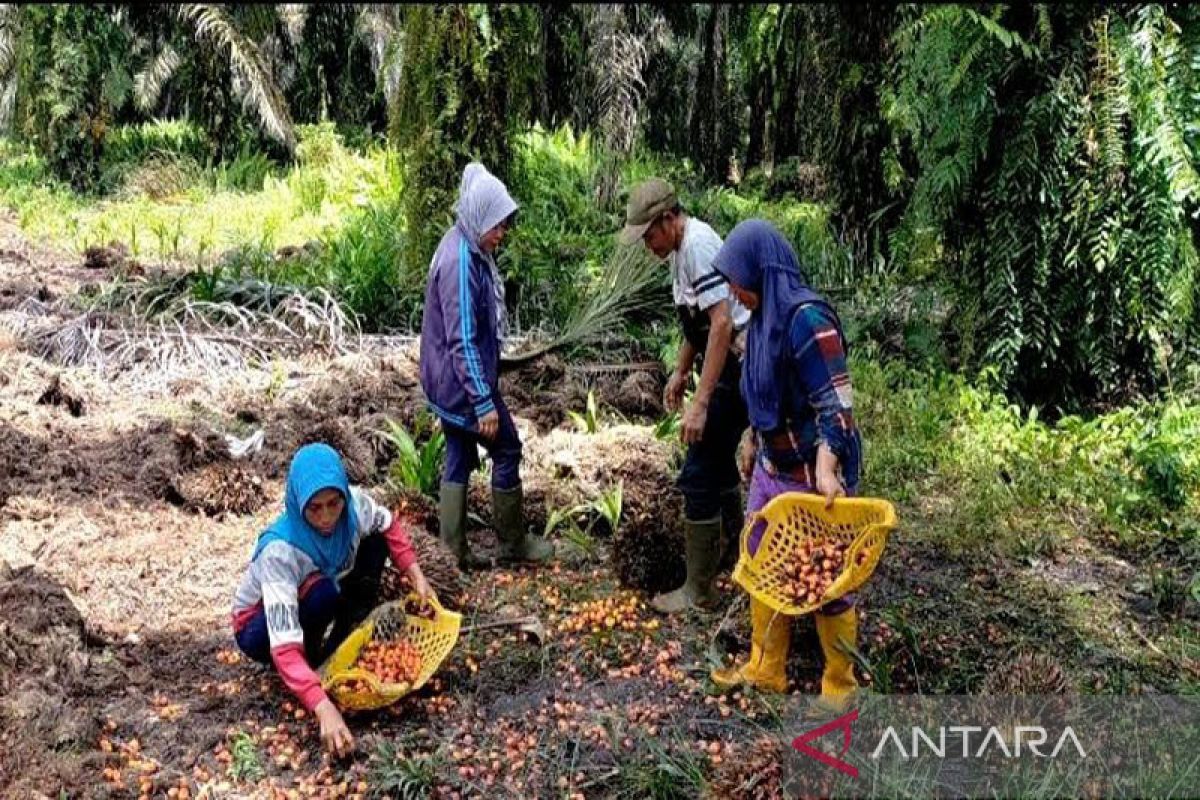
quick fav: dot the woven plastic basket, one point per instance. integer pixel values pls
(433, 638)
(794, 518)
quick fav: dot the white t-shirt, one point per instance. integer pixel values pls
(694, 282)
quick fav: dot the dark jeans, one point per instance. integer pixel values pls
(462, 452)
(710, 466)
(324, 603)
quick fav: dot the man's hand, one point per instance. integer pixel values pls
(489, 424)
(334, 734)
(693, 421)
(673, 393)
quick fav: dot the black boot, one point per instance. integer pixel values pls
(733, 519)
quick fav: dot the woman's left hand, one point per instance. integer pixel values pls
(419, 583)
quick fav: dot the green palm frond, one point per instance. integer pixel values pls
(149, 83)
(379, 28)
(9, 20)
(294, 16)
(626, 285)
(260, 92)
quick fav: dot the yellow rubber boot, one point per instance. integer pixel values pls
(770, 634)
(838, 634)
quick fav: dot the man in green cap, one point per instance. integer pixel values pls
(713, 323)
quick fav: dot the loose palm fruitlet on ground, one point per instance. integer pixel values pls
(391, 662)
(815, 566)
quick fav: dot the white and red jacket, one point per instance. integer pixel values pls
(282, 574)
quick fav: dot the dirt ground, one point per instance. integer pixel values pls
(125, 524)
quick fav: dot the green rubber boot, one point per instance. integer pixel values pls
(702, 547)
(508, 518)
(452, 519)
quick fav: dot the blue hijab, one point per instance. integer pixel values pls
(314, 467)
(757, 257)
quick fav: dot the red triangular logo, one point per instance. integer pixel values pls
(800, 743)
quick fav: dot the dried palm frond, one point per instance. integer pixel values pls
(617, 56)
(319, 315)
(169, 351)
(76, 342)
(25, 318)
(8, 35)
(259, 91)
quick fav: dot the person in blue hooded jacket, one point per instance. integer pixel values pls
(462, 328)
(798, 394)
(318, 565)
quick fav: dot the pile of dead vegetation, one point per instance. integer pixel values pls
(51, 671)
(546, 390)
(621, 473)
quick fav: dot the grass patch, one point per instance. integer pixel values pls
(207, 217)
(395, 773)
(993, 477)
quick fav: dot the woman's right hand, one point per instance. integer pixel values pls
(334, 734)
(747, 452)
(489, 424)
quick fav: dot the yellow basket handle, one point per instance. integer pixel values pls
(388, 607)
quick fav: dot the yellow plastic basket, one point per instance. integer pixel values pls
(433, 638)
(796, 517)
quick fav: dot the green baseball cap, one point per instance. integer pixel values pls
(647, 200)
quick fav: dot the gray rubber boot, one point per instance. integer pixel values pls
(452, 519)
(702, 547)
(508, 518)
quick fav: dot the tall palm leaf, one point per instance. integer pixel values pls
(259, 91)
(8, 63)
(379, 28)
(149, 83)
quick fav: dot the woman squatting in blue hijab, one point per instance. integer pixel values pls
(318, 565)
(803, 439)
(462, 328)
